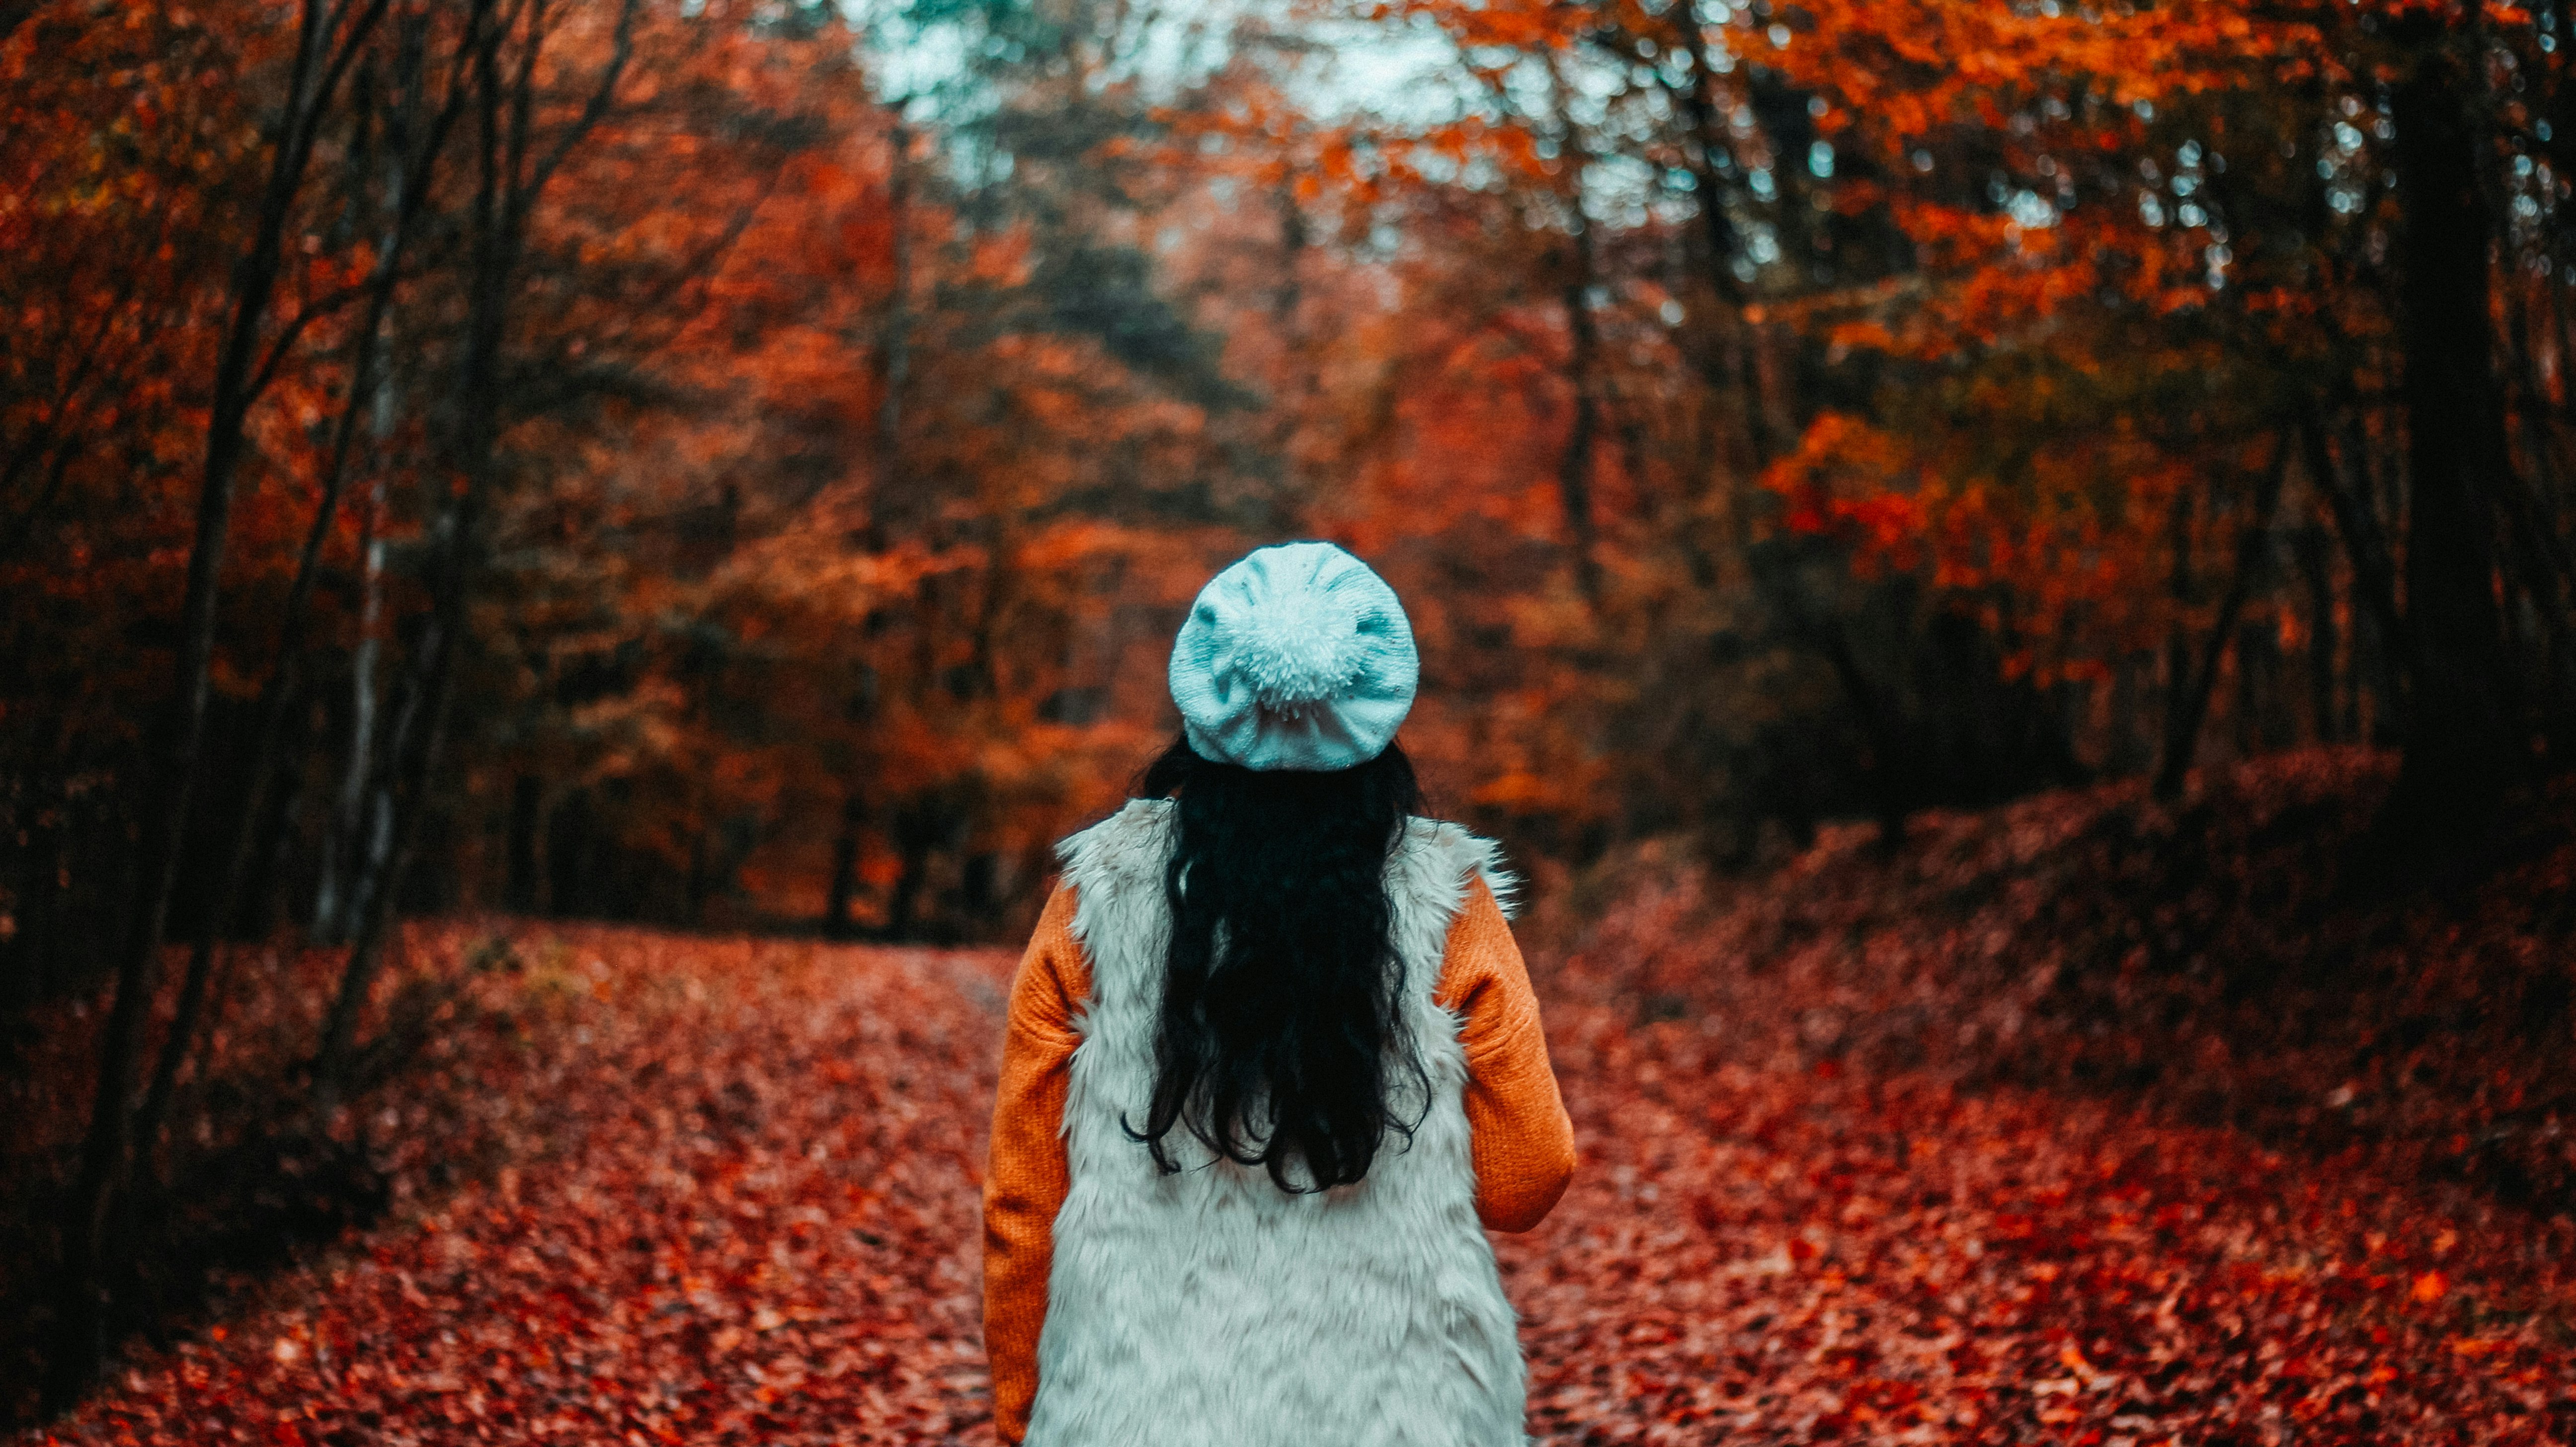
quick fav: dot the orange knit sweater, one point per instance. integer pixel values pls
(1523, 1143)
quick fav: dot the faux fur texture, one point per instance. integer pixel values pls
(1210, 1309)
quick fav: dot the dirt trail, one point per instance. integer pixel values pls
(730, 1198)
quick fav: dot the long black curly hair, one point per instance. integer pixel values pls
(1280, 1039)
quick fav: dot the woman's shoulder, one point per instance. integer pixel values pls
(1135, 842)
(1441, 858)
(1436, 861)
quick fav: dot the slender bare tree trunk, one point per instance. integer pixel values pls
(1733, 364)
(1576, 461)
(336, 894)
(2177, 665)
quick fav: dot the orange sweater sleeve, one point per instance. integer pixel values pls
(1523, 1144)
(1026, 1182)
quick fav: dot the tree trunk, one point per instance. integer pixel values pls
(336, 897)
(511, 177)
(527, 815)
(837, 923)
(2459, 737)
(1734, 363)
(1574, 464)
(2325, 642)
(702, 877)
(280, 693)
(2376, 615)
(2177, 663)
(917, 831)
(90, 1251)
(2189, 702)
(569, 834)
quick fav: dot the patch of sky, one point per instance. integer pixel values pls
(1621, 190)
(2030, 210)
(1404, 70)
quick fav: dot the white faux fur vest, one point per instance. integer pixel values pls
(1208, 1308)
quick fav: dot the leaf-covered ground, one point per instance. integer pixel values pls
(724, 1191)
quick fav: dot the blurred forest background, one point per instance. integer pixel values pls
(739, 465)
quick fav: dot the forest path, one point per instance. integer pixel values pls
(731, 1198)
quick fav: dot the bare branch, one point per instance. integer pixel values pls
(328, 304)
(602, 97)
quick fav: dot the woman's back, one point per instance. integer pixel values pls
(1207, 1305)
(1273, 1060)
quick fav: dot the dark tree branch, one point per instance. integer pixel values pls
(330, 303)
(595, 110)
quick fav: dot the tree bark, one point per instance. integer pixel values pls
(336, 896)
(1574, 465)
(2459, 748)
(837, 923)
(1575, 462)
(527, 819)
(2324, 636)
(1731, 363)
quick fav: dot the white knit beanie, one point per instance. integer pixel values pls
(1296, 657)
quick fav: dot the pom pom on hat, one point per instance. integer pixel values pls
(1296, 657)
